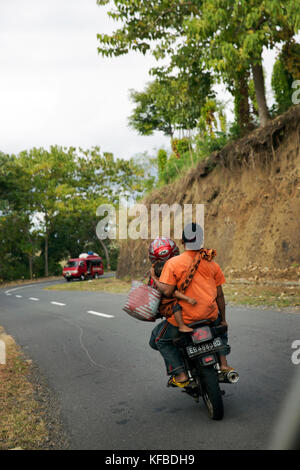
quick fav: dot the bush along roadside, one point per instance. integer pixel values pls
(29, 418)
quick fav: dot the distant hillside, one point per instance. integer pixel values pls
(251, 192)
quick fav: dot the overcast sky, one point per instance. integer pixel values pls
(56, 89)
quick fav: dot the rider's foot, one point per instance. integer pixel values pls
(185, 329)
(172, 382)
(182, 377)
(226, 368)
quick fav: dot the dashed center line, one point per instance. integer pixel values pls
(105, 315)
(54, 302)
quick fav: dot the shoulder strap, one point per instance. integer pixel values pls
(206, 254)
(167, 304)
(184, 284)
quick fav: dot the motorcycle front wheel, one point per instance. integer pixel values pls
(211, 392)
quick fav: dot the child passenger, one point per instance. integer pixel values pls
(177, 310)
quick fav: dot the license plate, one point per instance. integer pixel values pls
(198, 349)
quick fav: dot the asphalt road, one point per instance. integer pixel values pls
(112, 386)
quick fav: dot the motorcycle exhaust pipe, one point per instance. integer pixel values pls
(232, 376)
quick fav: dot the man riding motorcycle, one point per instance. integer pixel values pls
(205, 287)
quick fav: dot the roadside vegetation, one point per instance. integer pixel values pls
(21, 424)
(260, 295)
(111, 285)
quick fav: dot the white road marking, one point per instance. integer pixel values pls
(105, 315)
(33, 298)
(19, 296)
(7, 292)
(37, 284)
(58, 303)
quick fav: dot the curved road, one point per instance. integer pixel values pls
(112, 386)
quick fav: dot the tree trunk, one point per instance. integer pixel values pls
(259, 84)
(30, 257)
(242, 102)
(46, 256)
(106, 254)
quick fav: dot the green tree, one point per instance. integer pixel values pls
(160, 27)
(169, 104)
(173, 101)
(98, 179)
(153, 110)
(143, 23)
(162, 158)
(48, 181)
(235, 33)
(286, 70)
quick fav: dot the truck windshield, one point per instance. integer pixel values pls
(72, 264)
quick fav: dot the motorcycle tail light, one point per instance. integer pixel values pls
(207, 360)
(202, 334)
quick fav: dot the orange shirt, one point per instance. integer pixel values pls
(203, 287)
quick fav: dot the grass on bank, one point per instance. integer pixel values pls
(263, 295)
(237, 294)
(111, 285)
(21, 425)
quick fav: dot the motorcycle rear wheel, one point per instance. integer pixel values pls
(212, 395)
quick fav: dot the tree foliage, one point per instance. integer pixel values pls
(223, 36)
(48, 203)
(168, 104)
(235, 33)
(286, 70)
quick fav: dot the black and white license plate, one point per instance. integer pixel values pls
(198, 349)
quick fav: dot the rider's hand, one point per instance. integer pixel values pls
(152, 273)
(192, 301)
(224, 323)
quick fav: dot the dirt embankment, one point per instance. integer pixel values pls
(251, 192)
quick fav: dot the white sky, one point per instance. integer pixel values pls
(56, 89)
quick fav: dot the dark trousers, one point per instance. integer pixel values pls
(162, 340)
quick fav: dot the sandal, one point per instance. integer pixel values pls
(229, 369)
(173, 383)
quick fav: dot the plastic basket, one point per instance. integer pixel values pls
(142, 302)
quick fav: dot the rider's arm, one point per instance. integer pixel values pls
(180, 296)
(221, 303)
(165, 289)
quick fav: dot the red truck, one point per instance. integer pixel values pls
(85, 267)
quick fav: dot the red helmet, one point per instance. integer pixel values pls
(162, 249)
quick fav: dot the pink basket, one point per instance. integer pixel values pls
(142, 302)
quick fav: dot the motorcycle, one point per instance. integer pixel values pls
(201, 352)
